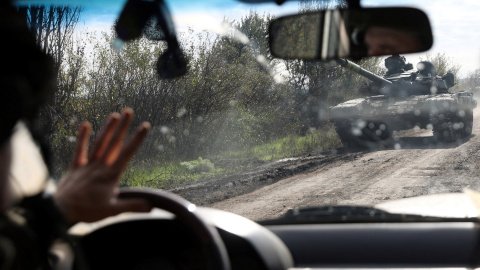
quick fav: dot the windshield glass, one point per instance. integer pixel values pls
(258, 136)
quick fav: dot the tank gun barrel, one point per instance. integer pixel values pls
(365, 73)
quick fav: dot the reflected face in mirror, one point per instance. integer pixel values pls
(333, 34)
(384, 41)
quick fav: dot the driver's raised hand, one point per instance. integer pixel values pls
(89, 191)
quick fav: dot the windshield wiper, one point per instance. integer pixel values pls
(353, 214)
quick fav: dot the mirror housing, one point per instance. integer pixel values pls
(356, 33)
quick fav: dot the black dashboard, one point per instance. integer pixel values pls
(158, 241)
(382, 245)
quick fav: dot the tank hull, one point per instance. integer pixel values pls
(440, 112)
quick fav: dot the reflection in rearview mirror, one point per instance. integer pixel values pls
(332, 34)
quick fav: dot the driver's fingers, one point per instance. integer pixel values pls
(80, 154)
(103, 139)
(131, 147)
(111, 153)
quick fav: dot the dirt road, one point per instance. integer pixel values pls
(368, 178)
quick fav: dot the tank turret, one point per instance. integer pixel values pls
(403, 98)
(401, 79)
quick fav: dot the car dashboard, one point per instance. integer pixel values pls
(382, 245)
(158, 241)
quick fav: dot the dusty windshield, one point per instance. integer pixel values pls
(258, 136)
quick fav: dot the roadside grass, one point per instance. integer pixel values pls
(168, 175)
(293, 146)
(176, 173)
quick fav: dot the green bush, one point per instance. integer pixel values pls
(198, 166)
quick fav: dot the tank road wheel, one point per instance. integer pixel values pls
(375, 132)
(344, 132)
(363, 134)
(443, 129)
(468, 122)
(452, 126)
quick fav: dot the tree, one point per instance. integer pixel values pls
(443, 64)
(228, 101)
(320, 84)
(52, 26)
(471, 82)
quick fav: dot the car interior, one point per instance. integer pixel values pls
(179, 235)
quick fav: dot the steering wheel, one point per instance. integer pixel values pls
(186, 213)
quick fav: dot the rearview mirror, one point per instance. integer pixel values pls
(333, 34)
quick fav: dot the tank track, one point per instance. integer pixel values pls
(450, 127)
(363, 135)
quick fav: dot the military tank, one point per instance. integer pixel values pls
(403, 100)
